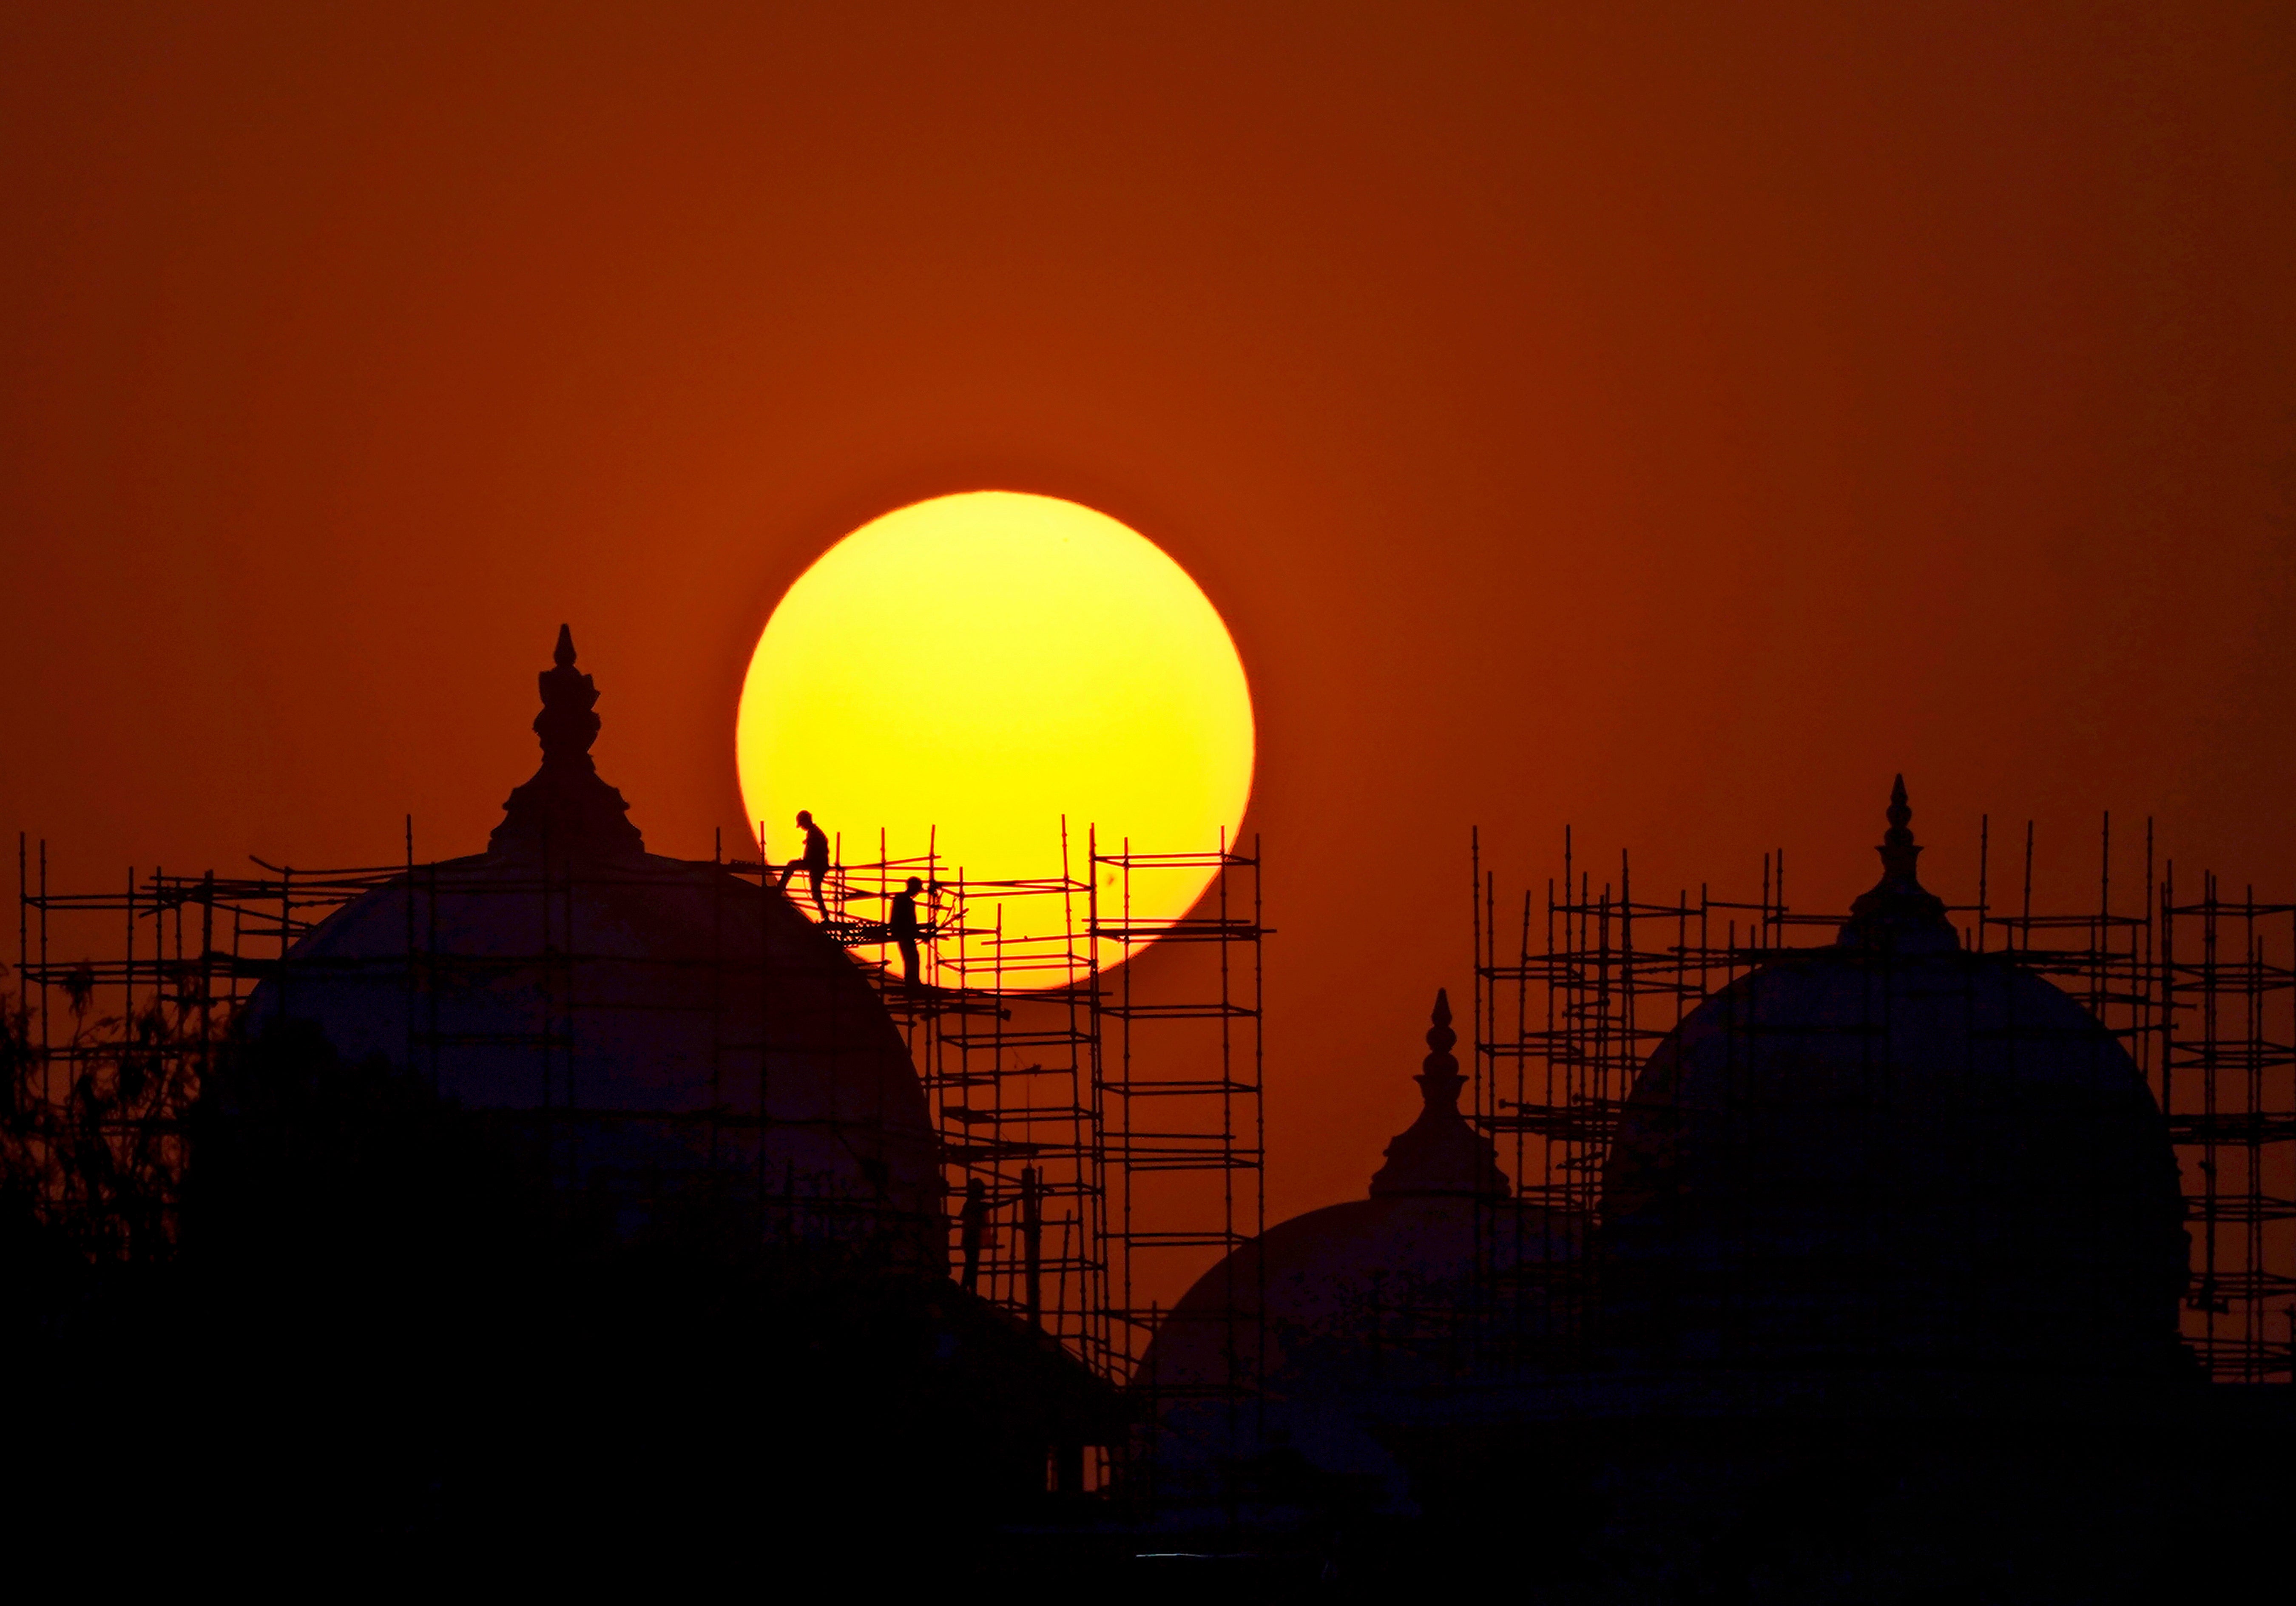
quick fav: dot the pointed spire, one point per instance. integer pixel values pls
(566, 808)
(1898, 912)
(1441, 1152)
(1897, 849)
(568, 721)
(1439, 1076)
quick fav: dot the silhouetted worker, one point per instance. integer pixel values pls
(906, 929)
(973, 1221)
(814, 861)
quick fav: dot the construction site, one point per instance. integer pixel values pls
(1724, 1185)
(1099, 1133)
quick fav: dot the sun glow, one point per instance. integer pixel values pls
(964, 673)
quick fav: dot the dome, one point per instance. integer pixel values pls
(662, 1036)
(1333, 1311)
(1891, 1151)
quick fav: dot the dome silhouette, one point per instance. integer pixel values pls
(1892, 1151)
(660, 1037)
(1334, 1314)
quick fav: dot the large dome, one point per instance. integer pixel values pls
(666, 1038)
(1894, 1151)
(1333, 1314)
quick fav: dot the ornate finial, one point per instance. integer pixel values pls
(1897, 849)
(566, 807)
(1440, 1153)
(1440, 1064)
(1898, 912)
(568, 721)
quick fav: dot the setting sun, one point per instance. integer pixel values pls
(968, 671)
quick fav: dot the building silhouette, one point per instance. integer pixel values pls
(1917, 1251)
(1790, 1296)
(661, 1035)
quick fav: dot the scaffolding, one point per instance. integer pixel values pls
(1186, 1130)
(1100, 1105)
(127, 999)
(1571, 998)
(1004, 1030)
(1066, 1088)
(2223, 1064)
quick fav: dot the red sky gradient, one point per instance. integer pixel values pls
(1672, 421)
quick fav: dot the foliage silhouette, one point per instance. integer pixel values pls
(92, 1148)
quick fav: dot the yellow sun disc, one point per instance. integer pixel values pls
(966, 673)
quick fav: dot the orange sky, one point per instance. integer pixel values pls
(1674, 421)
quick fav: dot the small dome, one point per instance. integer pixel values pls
(1891, 1151)
(659, 1034)
(1331, 1312)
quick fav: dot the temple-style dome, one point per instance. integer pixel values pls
(670, 1042)
(1892, 1151)
(1335, 1311)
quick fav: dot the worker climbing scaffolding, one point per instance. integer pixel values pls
(814, 861)
(906, 926)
